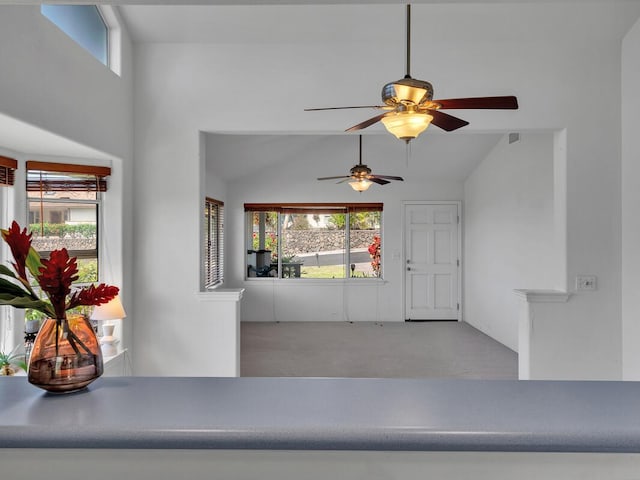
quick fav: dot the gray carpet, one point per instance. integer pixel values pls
(372, 349)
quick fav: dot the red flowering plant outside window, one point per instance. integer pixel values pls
(54, 277)
(374, 253)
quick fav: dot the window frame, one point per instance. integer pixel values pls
(310, 208)
(213, 235)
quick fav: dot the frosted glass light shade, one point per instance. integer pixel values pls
(360, 185)
(407, 125)
(112, 310)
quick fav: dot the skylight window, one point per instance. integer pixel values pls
(84, 24)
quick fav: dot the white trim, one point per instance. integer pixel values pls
(221, 295)
(543, 296)
(10, 335)
(111, 18)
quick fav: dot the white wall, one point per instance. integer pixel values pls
(630, 203)
(508, 233)
(50, 82)
(565, 77)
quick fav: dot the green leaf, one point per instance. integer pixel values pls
(26, 301)
(23, 282)
(10, 288)
(33, 262)
(4, 270)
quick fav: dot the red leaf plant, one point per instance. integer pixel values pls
(19, 243)
(374, 253)
(54, 276)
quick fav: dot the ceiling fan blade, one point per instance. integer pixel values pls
(345, 108)
(389, 177)
(378, 180)
(445, 121)
(497, 103)
(347, 179)
(366, 123)
(334, 178)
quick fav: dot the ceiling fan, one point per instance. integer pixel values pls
(361, 176)
(411, 108)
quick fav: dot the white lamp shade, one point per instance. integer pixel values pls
(406, 125)
(112, 310)
(360, 185)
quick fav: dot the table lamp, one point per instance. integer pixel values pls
(112, 310)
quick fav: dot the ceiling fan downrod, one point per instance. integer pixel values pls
(408, 63)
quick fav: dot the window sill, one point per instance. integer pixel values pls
(315, 281)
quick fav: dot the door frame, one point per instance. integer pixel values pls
(405, 203)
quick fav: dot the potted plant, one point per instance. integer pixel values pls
(11, 361)
(32, 320)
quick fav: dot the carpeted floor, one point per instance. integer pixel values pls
(372, 349)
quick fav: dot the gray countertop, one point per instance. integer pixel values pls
(325, 414)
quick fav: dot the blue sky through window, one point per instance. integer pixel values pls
(84, 24)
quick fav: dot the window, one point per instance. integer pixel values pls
(64, 204)
(213, 242)
(84, 24)
(314, 240)
(7, 169)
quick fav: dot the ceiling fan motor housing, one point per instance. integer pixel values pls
(360, 171)
(407, 91)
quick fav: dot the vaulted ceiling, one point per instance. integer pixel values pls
(372, 23)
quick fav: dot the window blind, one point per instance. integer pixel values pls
(66, 177)
(318, 208)
(213, 242)
(8, 167)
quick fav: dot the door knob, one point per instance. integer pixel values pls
(408, 269)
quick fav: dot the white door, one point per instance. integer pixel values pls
(431, 261)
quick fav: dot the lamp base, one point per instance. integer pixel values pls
(109, 350)
(108, 341)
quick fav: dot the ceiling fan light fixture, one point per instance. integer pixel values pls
(406, 125)
(360, 185)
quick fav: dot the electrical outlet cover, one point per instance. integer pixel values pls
(586, 282)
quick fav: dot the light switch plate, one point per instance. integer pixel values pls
(586, 282)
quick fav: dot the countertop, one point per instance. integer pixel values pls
(324, 414)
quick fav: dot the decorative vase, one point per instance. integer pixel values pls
(66, 356)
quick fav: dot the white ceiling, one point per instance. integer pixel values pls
(444, 157)
(354, 21)
(264, 24)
